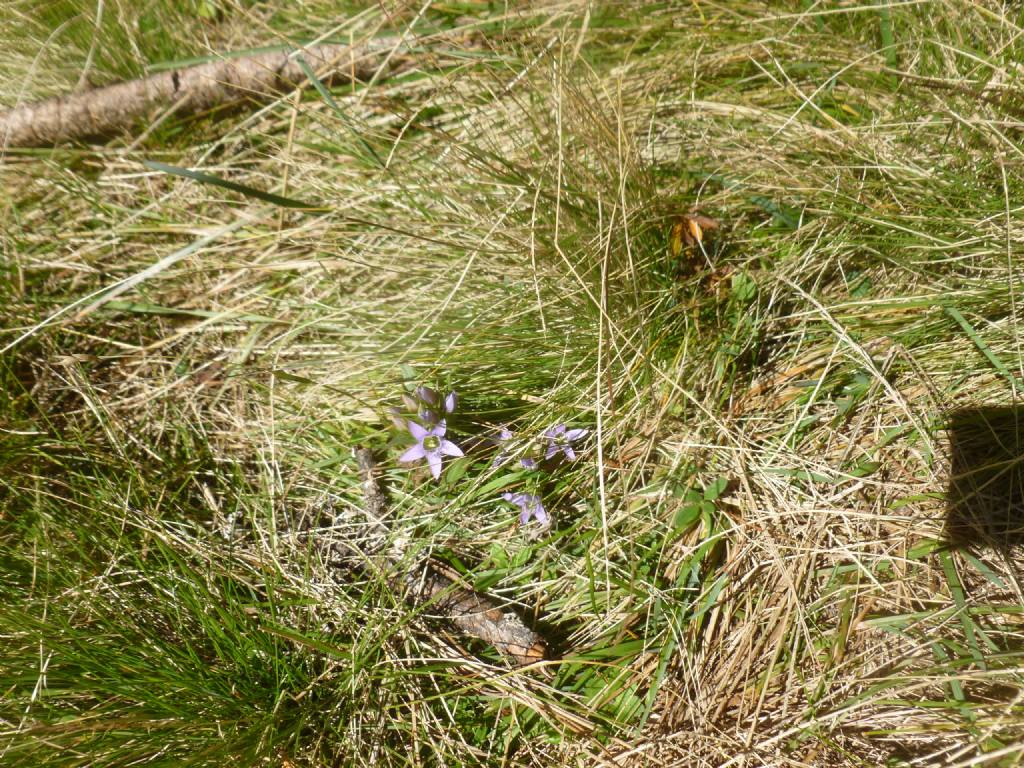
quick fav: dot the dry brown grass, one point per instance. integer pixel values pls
(515, 247)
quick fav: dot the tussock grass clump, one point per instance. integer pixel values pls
(771, 549)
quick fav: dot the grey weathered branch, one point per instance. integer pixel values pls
(473, 613)
(106, 111)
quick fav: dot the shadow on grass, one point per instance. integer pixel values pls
(986, 484)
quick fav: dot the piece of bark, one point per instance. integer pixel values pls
(478, 616)
(114, 108)
(473, 613)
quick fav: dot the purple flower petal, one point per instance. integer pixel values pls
(434, 460)
(416, 452)
(428, 416)
(427, 395)
(539, 512)
(561, 439)
(528, 463)
(450, 402)
(433, 450)
(396, 417)
(503, 436)
(448, 448)
(529, 506)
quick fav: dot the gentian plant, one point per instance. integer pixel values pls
(425, 419)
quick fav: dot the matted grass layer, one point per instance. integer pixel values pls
(791, 536)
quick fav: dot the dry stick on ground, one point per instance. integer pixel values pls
(114, 108)
(471, 612)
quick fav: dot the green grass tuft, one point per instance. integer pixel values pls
(753, 561)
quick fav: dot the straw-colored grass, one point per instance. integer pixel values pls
(751, 562)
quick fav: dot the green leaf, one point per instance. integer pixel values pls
(660, 674)
(686, 516)
(858, 284)
(865, 467)
(923, 549)
(522, 557)
(456, 471)
(744, 288)
(710, 597)
(277, 373)
(498, 556)
(983, 569)
(484, 580)
(956, 589)
(502, 481)
(207, 10)
(716, 489)
(783, 215)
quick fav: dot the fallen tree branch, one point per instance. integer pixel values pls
(106, 111)
(473, 613)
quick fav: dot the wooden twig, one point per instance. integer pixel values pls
(473, 613)
(106, 111)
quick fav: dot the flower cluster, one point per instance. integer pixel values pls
(426, 404)
(504, 436)
(559, 440)
(426, 421)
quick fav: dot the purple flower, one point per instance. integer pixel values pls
(430, 445)
(561, 439)
(529, 506)
(426, 404)
(429, 403)
(428, 395)
(504, 435)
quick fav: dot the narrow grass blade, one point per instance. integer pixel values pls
(985, 349)
(887, 34)
(345, 120)
(207, 178)
(957, 590)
